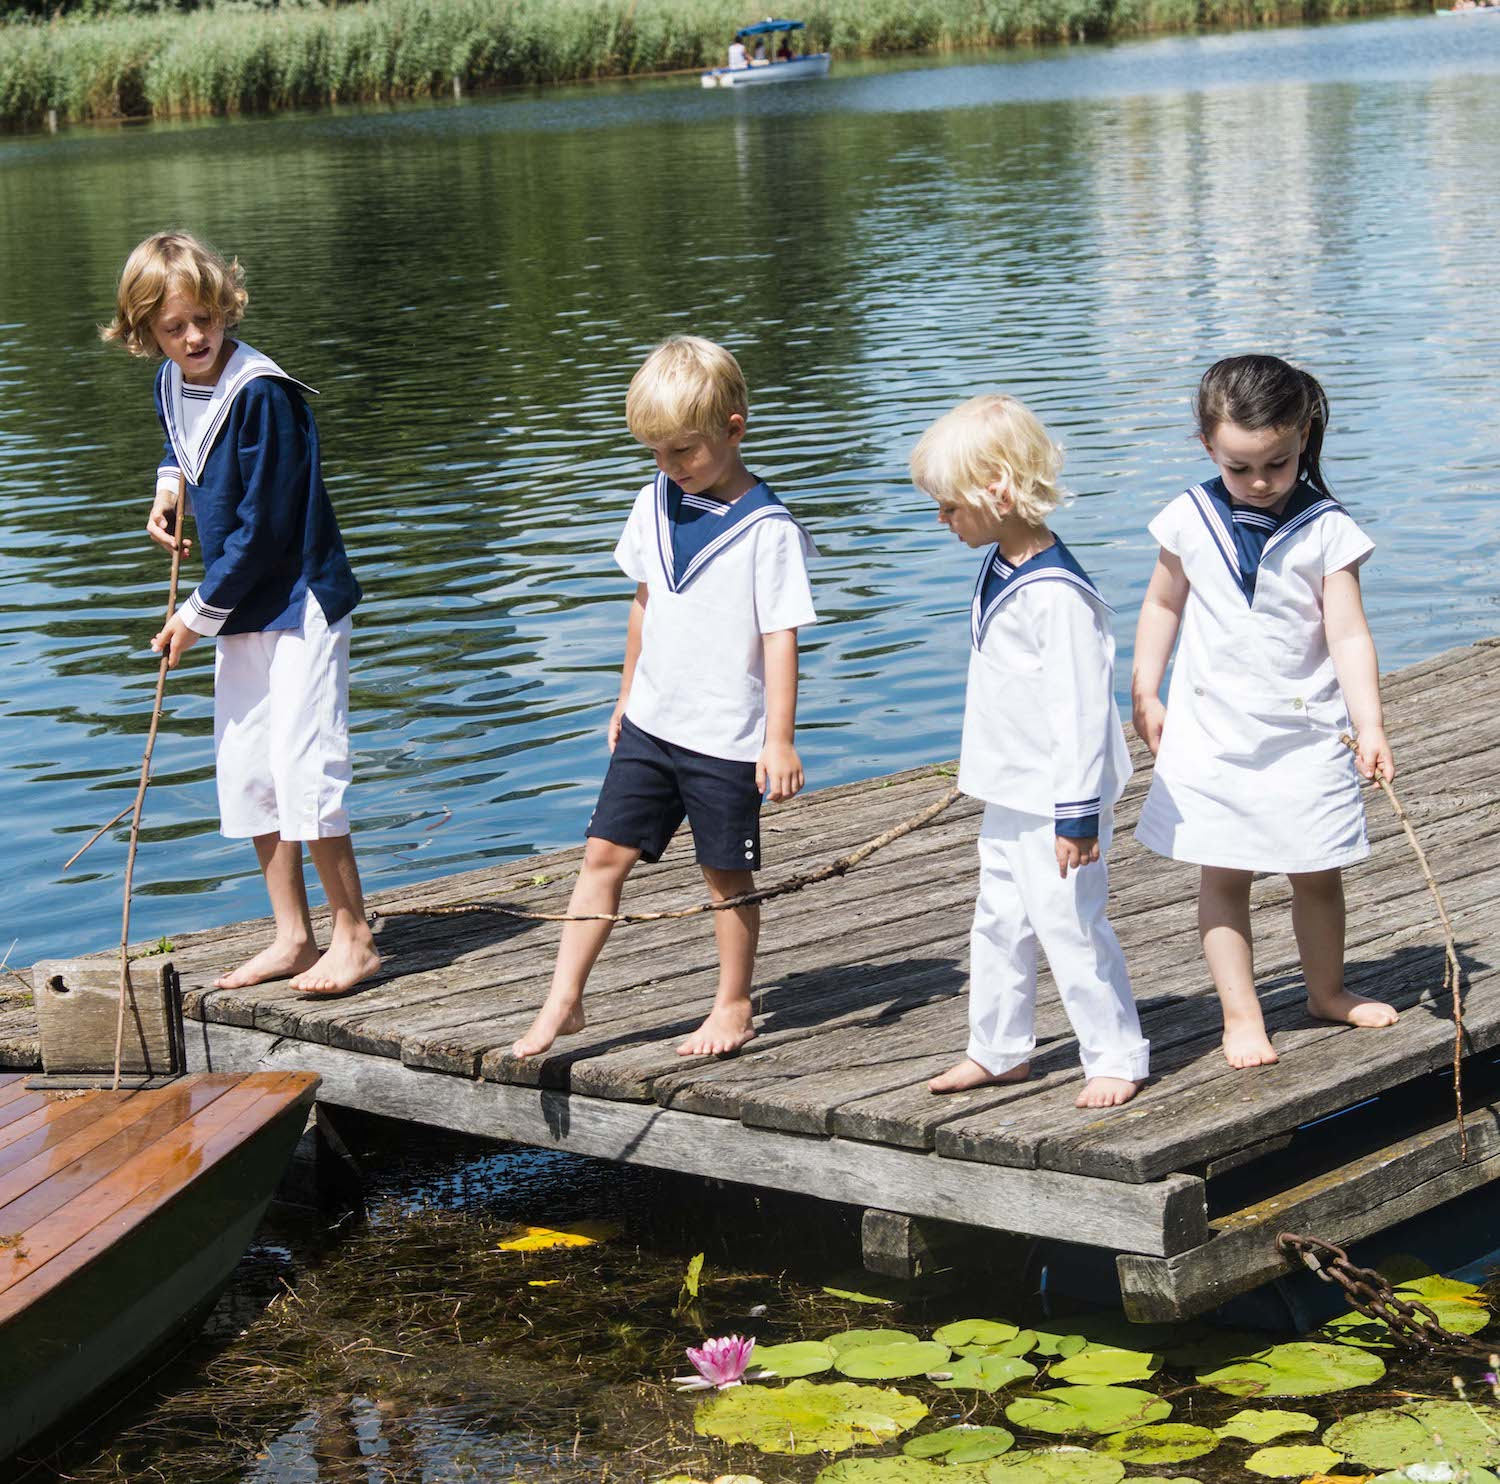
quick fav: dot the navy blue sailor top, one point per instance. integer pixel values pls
(266, 527)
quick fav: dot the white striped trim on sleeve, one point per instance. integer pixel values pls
(203, 618)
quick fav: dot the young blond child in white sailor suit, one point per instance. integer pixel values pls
(1044, 748)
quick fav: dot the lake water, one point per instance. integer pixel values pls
(472, 285)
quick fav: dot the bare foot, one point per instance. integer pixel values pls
(968, 1073)
(554, 1019)
(339, 970)
(1352, 1009)
(727, 1028)
(1249, 1046)
(279, 961)
(1106, 1092)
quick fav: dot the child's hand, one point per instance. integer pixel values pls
(1075, 852)
(161, 524)
(1373, 754)
(778, 771)
(176, 638)
(1148, 716)
(616, 717)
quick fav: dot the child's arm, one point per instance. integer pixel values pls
(1155, 634)
(778, 769)
(1354, 660)
(632, 655)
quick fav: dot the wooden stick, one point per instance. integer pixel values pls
(121, 815)
(1452, 970)
(140, 794)
(745, 899)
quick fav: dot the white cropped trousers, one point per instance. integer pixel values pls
(1023, 903)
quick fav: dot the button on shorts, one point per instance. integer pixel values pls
(652, 786)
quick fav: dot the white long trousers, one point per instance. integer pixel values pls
(1023, 902)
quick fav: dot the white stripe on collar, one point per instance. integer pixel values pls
(242, 367)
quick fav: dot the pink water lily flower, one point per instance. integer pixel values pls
(719, 1363)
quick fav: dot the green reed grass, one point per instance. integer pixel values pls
(241, 59)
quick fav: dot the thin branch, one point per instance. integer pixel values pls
(1452, 970)
(140, 794)
(121, 815)
(746, 899)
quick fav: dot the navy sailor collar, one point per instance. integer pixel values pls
(999, 581)
(1246, 535)
(691, 530)
(243, 366)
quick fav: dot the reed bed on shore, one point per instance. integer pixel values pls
(241, 59)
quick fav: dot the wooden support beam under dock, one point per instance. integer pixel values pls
(861, 1000)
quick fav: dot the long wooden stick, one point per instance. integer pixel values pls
(1452, 970)
(746, 899)
(140, 793)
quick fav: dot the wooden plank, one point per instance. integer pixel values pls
(77, 1004)
(158, 1167)
(1164, 1216)
(1356, 1200)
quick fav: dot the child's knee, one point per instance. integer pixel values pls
(606, 858)
(725, 884)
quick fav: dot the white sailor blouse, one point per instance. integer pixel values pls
(266, 526)
(720, 576)
(1251, 774)
(1042, 732)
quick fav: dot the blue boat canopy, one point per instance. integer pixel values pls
(760, 28)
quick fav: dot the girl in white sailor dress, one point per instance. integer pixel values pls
(1043, 747)
(1260, 569)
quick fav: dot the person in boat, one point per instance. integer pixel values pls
(1259, 570)
(276, 596)
(703, 727)
(1043, 748)
(758, 57)
(738, 58)
(784, 52)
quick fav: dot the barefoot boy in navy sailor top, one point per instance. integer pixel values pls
(1044, 748)
(277, 591)
(708, 694)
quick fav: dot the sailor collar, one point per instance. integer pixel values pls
(999, 581)
(691, 530)
(1245, 535)
(242, 367)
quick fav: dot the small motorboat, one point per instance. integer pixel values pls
(746, 71)
(122, 1216)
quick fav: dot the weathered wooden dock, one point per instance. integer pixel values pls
(861, 988)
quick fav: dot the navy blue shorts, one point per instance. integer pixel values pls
(652, 786)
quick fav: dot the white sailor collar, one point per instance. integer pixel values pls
(691, 530)
(999, 581)
(1245, 536)
(243, 366)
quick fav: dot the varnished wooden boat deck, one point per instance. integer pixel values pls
(861, 1000)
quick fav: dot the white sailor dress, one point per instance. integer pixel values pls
(1251, 774)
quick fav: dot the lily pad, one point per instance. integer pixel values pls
(1048, 1343)
(808, 1416)
(986, 1372)
(1096, 1409)
(1419, 1432)
(1054, 1466)
(796, 1358)
(1166, 1442)
(962, 1444)
(1105, 1365)
(899, 1470)
(887, 1362)
(1266, 1424)
(1019, 1344)
(1435, 1473)
(1293, 1462)
(855, 1297)
(849, 1339)
(975, 1332)
(1160, 1479)
(1302, 1368)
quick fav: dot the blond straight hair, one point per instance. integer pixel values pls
(686, 386)
(166, 262)
(990, 439)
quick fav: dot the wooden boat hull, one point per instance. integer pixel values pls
(799, 69)
(67, 1341)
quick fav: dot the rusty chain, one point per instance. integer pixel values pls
(1411, 1322)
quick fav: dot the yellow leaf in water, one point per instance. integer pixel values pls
(543, 1282)
(579, 1234)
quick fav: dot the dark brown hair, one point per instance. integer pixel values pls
(1265, 392)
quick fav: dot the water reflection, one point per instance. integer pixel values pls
(471, 286)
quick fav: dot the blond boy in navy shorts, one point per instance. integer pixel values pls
(708, 693)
